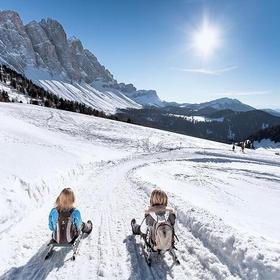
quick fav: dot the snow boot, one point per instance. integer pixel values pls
(87, 227)
(134, 227)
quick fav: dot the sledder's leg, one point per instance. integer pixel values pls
(135, 228)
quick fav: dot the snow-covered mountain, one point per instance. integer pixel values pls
(43, 48)
(221, 104)
(145, 98)
(43, 52)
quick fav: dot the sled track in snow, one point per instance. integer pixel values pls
(109, 195)
(119, 193)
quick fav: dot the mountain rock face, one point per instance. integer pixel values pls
(16, 47)
(42, 51)
(44, 45)
(145, 97)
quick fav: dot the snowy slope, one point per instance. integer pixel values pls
(104, 99)
(113, 167)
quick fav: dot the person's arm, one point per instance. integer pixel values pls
(76, 219)
(53, 217)
(172, 218)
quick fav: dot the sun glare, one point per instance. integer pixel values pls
(206, 40)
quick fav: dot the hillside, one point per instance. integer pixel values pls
(222, 231)
(208, 123)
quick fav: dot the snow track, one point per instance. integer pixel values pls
(111, 200)
(111, 190)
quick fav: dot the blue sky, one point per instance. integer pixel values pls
(150, 43)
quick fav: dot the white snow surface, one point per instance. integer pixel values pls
(197, 118)
(227, 203)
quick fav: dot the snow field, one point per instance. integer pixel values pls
(113, 167)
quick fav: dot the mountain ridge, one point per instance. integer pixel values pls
(43, 52)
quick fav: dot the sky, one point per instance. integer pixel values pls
(187, 50)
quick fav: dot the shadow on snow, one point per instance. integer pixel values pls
(37, 267)
(139, 267)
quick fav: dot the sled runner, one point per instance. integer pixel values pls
(159, 238)
(62, 241)
(150, 254)
(73, 245)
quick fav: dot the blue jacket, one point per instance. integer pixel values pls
(75, 216)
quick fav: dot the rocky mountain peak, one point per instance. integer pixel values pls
(9, 16)
(45, 48)
(43, 51)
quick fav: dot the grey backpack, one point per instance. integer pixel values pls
(162, 234)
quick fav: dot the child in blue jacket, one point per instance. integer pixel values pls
(64, 208)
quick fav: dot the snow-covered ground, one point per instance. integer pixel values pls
(227, 203)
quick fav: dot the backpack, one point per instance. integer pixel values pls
(65, 230)
(162, 233)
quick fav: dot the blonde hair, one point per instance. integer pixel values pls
(66, 200)
(158, 197)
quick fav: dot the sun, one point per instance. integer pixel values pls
(206, 40)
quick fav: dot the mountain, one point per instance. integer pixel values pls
(222, 104)
(43, 52)
(43, 48)
(146, 98)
